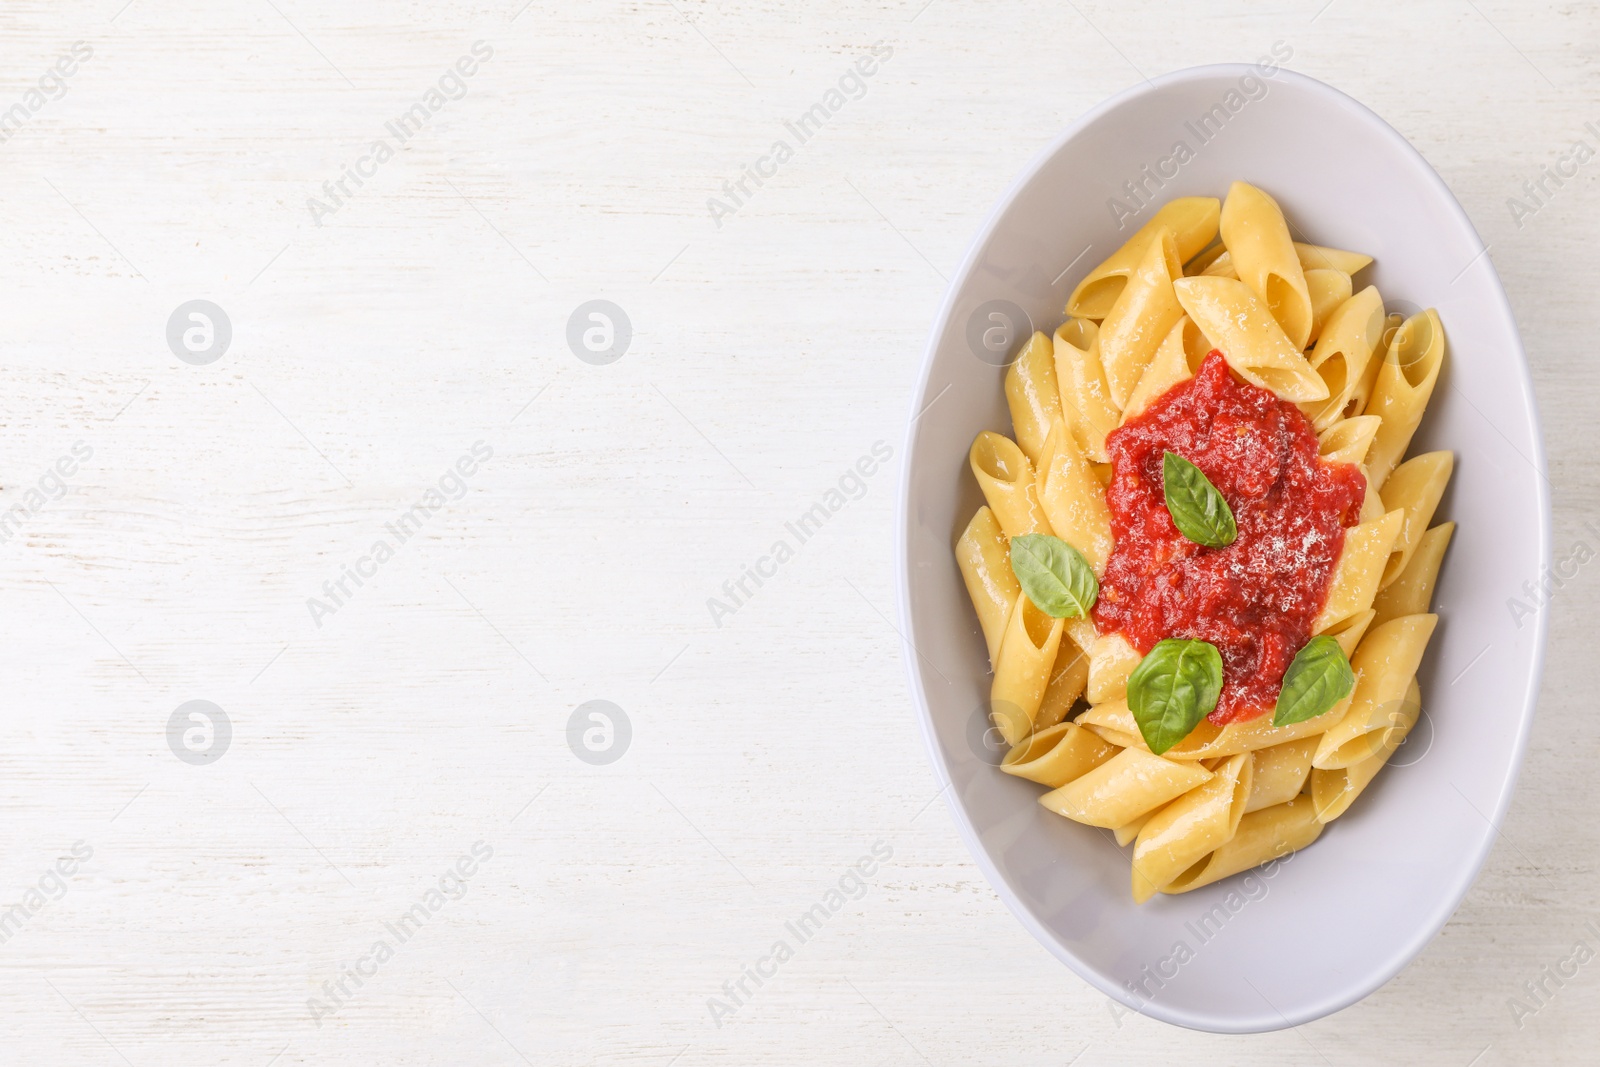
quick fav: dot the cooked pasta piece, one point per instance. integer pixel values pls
(1384, 666)
(1008, 483)
(1412, 592)
(1141, 317)
(1280, 773)
(1347, 440)
(1372, 502)
(1362, 396)
(1130, 831)
(1085, 397)
(1329, 289)
(1083, 632)
(1239, 324)
(1111, 661)
(1114, 722)
(1262, 837)
(1032, 394)
(985, 562)
(1311, 257)
(1360, 569)
(1191, 827)
(1259, 733)
(1067, 679)
(1414, 488)
(1342, 354)
(1254, 229)
(1204, 259)
(1404, 384)
(1124, 787)
(1333, 791)
(1126, 833)
(1350, 631)
(1193, 221)
(1023, 670)
(1073, 500)
(1177, 359)
(1057, 755)
(1320, 257)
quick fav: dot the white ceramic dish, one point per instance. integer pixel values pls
(1345, 915)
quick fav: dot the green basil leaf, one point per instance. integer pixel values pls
(1197, 508)
(1054, 575)
(1172, 689)
(1318, 679)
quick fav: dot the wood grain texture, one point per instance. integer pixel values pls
(769, 353)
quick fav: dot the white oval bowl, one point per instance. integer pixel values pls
(1345, 915)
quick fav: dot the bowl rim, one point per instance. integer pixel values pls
(1402, 953)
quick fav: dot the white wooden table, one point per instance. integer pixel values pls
(166, 521)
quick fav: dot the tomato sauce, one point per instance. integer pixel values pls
(1255, 599)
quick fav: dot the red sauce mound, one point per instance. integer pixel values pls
(1255, 599)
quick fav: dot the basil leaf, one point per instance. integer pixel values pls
(1318, 679)
(1054, 575)
(1172, 689)
(1197, 508)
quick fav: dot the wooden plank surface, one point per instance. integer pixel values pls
(181, 517)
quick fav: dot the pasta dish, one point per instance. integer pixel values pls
(1204, 565)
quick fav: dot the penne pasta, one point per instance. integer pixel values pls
(1128, 832)
(1141, 317)
(1123, 788)
(1311, 257)
(1110, 734)
(1412, 592)
(1085, 396)
(1329, 289)
(1073, 500)
(1114, 722)
(1177, 359)
(1320, 257)
(1384, 666)
(1262, 837)
(1193, 222)
(1111, 661)
(1082, 631)
(1343, 351)
(1067, 678)
(1372, 502)
(1414, 488)
(1264, 257)
(1008, 483)
(1280, 773)
(1362, 396)
(1350, 631)
(1347, 440)
(1236, 322)
(1400, 393)
(1032, 394)
(1023, 670)
(1057, 755)
(1204, 259)
(1357, 575)
(1333, 791)
(985, 562)
(1191, 827)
